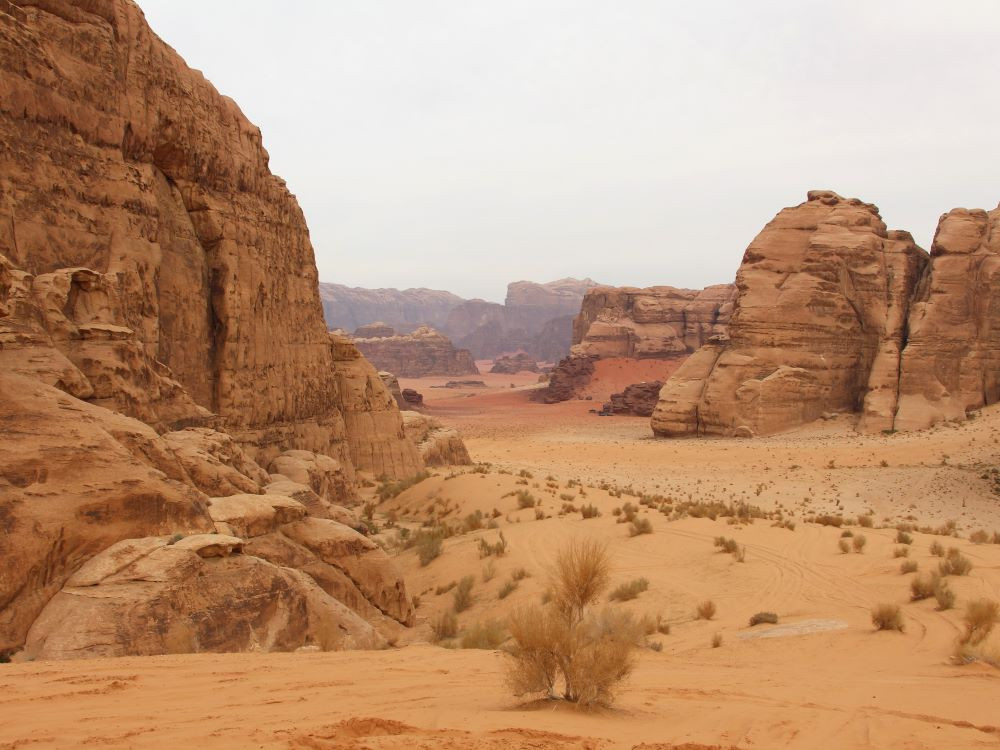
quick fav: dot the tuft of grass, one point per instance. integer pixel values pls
(705, 610)
(888, 617)
(497, 548)
(955, 563)
(901, 552)
(429, 546)
(590, 511)
(981, 536)
(764, 617)
(628, 591)
(716, 640)
(865, 521)
(525, 500)
(445, 626)
(844, 546)
(640, 526)
(981, 615)
(489, 571)
(462, 598)
(507, 589)
(519, 574)
(923, 586)
(390, 490)
(908, 566)
(937, 549)
(858, 543)
(903, 538)
(485, 635)
(944, 595)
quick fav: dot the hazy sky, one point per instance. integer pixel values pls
(463, 144)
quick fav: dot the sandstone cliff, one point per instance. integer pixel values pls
(659, 322)
(161, 341)
(418, 354)
(824, 297)
(403, 309)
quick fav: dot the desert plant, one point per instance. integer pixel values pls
(887, 617)
(716, 640)
(763, 617)
(740, 555)
(846, 533)
(507, 589)
(937, 549)
(944, 595)
(486, 635)
(497, 548)
(590, 511)
(903, 538)
(444, 626)
(865, 521)
(390, 490)
(844, 546)
(980, 536)
(980, 617)
(955, 564)
(628, 591)
(922, 587)
(428, 546)
(908, 566)
(519, 574)
(830, 520)
(489, 571)
(562, 650)
(901, 552)
(525, 499)
(640, 526)
(858, 543)
(462, 598)
(705, 610)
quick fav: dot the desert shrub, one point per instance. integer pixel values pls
(628, 591)
(462, 598)
(390, 490)
(539, 514)
(519, 574)
(922, 587)
(705, 610)
(525, 474)
(846, 533)
(444, 626)
(740, 555)
(716, 640)
(525, 499)
(858, 543)
(937, 549)
(489, 571)
(908, 566)
(590, 511)
(497, 548)
(981, 616)
(944, 595)
(763, 617)
(726, 545)
(564, 650)
(955, 564)
(996, 537)
(901, 552)
(829, 520)
(844, 546)
(655, 646)
(429, 545)
(486, 635)
(903, 538)
(473, 522)
(507, 589)
(640, 526)
(865, 521)
(980, 536)
(887, 617)
(445, 588)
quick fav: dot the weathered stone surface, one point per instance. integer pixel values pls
(565, 381)
(248, 516)
(402, 309)
(325, 475)
(818, 322)
(374, 331)
(438, 445)
(376, 442)
(656, 323)
(391, 382)
(167, 601)
(638, 399)
(316, 506)
(412, 399)
(511, 364)
(418, 354)
(215, 463)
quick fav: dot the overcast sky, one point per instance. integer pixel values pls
(462, 144)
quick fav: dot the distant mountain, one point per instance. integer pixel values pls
(536, 318)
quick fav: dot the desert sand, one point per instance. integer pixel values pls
(822, 677)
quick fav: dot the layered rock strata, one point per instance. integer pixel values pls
(514, 363)
(438, 445)
(419, 354)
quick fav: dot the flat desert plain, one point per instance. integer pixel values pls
(820, 677)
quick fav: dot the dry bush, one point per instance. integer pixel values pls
(828, 520)
(489, 571)
(525, 500)
(726, 545)
(764, 617)
(903, 538)
(858, 543)
(705, 610)
(846, 533)
(486, 635)
(981, 536)
(428, 546)
(908, 566)
(445, 626)
(980, 617)
(462, 598)
(507, 589)
(955, 564)
(716, 640)
(497, 548)
(628, 591)
(923, 586)
(563, 650)
(865, 521)
(937, 549)
(640, 526)
(944, 595)
(740, 555)
(519, 574)
(901, 552)
(844, 546)
(590, 511)
(887, 617)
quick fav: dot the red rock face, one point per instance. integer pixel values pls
(819, 322)
(416, 355)
(655, 323)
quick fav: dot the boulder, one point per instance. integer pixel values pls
(438, 445)
(569, 377)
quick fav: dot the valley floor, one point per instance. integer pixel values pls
(820, 678)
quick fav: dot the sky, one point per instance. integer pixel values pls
(463, 144)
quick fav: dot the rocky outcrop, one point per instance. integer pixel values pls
(571, 375)
(413, 399)
(638, 399)
(419, 354)
(512, 364)
(161, 340)
(819, 321)
(654, 323)
(374, 331)
(438, 445)
(403, 309)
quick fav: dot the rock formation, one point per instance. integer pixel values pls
(418, 354)
(438, 445)
(821, 316)
(567, 379)
(657, 323)
(638, 399)
(161, 341)
(403, 309)
(511, 364)
(374, 331)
